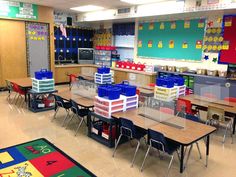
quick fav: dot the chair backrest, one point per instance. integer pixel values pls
(127, 127)
(167, 110)
(216, 114)
(184, 106)
(73, 78)
(59, 101)
(157, 140)
(210, 95)
(230, 99)
(74, 107)
(192, 118)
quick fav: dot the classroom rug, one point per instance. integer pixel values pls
(39, 158)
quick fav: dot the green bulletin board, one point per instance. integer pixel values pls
(20, 10)
(180, 40)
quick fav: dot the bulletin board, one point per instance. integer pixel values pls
(177, 40)
(228, 52)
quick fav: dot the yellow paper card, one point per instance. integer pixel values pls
(187, 24)
(173, 25)
(160, 44)
(219, 47)
(150, 44)
(162, 26)
(171, 44)
(185, 45)
(151, 26)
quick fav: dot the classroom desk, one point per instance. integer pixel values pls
(83, 101)
(24, 83)
(203, 102)
(191, 133)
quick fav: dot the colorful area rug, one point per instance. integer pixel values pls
(39, 158)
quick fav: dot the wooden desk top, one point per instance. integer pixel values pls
(80, 100)
(205, 102)
(191, 132)
(22, 82)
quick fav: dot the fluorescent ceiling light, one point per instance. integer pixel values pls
(87, 8)
(140, 1)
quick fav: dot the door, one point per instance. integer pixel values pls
(38, 47)
(12, 50)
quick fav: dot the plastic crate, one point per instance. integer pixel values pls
(43, 74)
(130, 102)
(109, 92)
(165, 94)
(43, 85)
(181, 90)
(127, 90)
(165, 82)
(178, 81)
(103, 78)
(103, 70)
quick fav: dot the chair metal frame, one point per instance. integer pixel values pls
(163, 150)
(82, 119)
(59, 105)
(130, 137)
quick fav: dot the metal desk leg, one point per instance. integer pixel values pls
(234, 124)
(89, 124)
(207, 148)
(182, 159)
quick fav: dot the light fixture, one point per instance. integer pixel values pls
(87, 8)
(140, 1)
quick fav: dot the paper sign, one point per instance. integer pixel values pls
(173, 25)
(160, 44)
(162, 26)
(219, 47)
(43, 38)
(214, 47)
(201, 23)
(140, 44)
(218, 30)
(205, 38)
(209, 47)
(213, 30)
(150, 44)
(186, 24)
(210, 39)
(31, 38)
(204, 47)
(225, 45)
(208, 31)
(198, 44)
(151, 26)
(171, 44)
(185, 45)
(39, 38)
(35, 38)
(228, 21)
(140, 27)
(216, 39)
(221, 39)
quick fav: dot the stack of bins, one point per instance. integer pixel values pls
(103, 76)
(128, 92)
(108, 101)
(179, 83)
(165, 90)
(43, 81)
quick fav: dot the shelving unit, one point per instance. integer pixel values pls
(40, 101)
(105, 57)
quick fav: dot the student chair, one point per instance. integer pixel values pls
(216, 116)
(195, 119)
(60, 103)
(184, 107)
(167, 110)
(20, 93)
(73, 79)
(128, 129)
(230, 99)
(10, 90)
(79, 113)
(158, 141)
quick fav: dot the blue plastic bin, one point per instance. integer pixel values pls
(113, 93)
(103, 70)
(127, 90)
(43, 74)
(178, 81)
(165, 82)
(102, 91)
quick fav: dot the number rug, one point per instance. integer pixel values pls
(39, 158)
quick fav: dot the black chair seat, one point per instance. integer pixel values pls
(67, 105)
(83, 112)
(140, 133)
